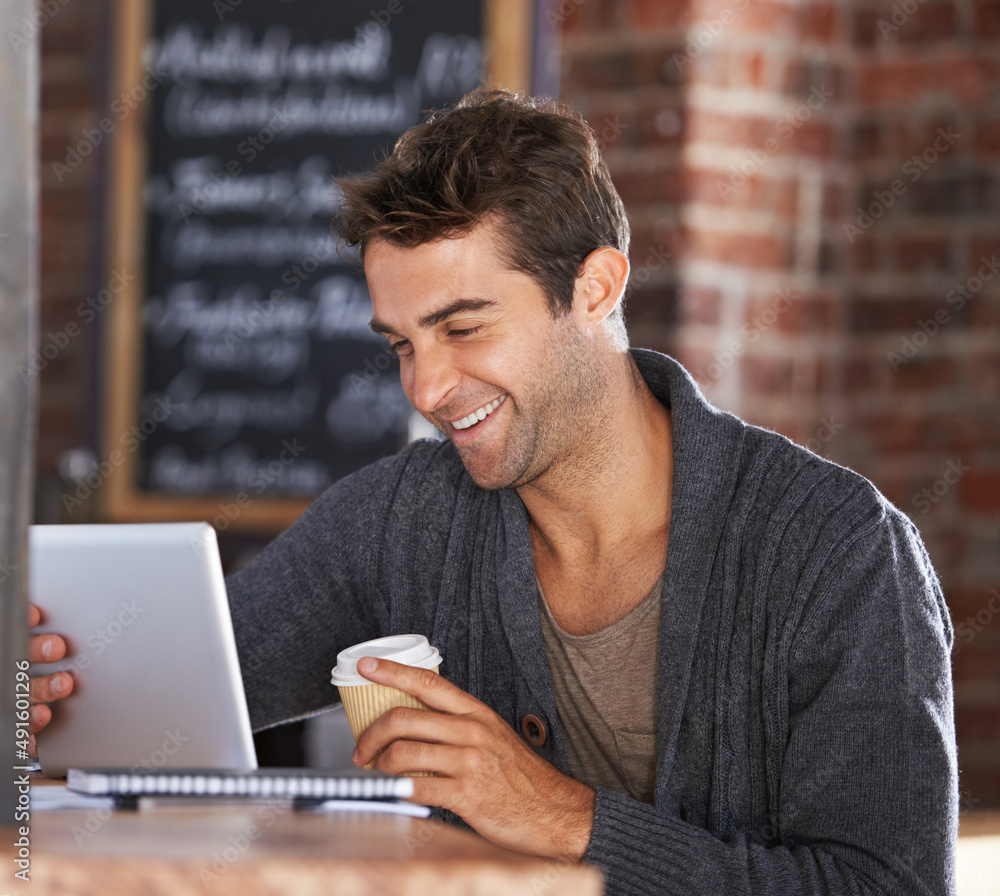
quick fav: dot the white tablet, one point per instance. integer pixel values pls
(144, 610)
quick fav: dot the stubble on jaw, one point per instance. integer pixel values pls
(554, 437)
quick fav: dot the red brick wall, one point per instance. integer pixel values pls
(783, 315)
(847, 331)
(74, 69)
(923, 318)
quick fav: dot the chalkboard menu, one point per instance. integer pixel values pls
(244, 378)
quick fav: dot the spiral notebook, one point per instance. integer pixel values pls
(265, 783)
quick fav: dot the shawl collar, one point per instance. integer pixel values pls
(706, 449)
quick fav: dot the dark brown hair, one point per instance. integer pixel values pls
(531, 167)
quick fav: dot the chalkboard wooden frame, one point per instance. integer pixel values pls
(508, 26)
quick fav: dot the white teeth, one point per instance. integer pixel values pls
(480, 414)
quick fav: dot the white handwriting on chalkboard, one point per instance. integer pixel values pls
(367, 414)
(223, 413)
(238, 467)
(197, 244)
(232, 55)
(337, 307)
(201, 186)
(338, 111)
(343, 309)
(269, 359)
(449, 64)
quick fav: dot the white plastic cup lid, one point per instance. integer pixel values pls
(410, 650)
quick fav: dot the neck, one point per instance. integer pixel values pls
(615, 485)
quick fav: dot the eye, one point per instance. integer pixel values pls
(400, 347)
(470, 331)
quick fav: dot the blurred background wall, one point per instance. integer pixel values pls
(814, 190)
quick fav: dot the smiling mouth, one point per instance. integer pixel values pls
(480, 414)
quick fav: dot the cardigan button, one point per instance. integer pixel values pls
(533, 729)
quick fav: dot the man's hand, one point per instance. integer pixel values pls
(485, 773)
(45, 688)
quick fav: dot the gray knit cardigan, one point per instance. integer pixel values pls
(805, 736)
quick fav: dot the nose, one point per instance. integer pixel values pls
(429, 377)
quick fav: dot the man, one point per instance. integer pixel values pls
(675, 646)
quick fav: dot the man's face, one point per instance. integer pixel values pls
(481, 356)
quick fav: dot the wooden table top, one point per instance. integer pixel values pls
(978, 857)
(263, 849)
(253, 850)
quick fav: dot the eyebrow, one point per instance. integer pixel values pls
(437, 317)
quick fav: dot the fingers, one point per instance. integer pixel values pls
(38, 717)
(412, 724)
(416, 756)
(46, 648)
(43, 648)
(47, 688)
(425, 684)
(459, 778)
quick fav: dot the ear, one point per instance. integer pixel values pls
(600, 285)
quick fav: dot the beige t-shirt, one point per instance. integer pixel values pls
(605, 689)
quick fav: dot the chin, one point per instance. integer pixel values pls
(490, 482)
(491, 477)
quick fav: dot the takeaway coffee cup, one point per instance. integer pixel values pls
(364, 701)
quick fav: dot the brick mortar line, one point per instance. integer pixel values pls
(648, 158)
(863, 346)
(729, 154)
(903, 405)
(927, 55)
(626, 38)
(773, 103)
(630, 99)
(702, 217)
(693, 270)
(621, 40)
